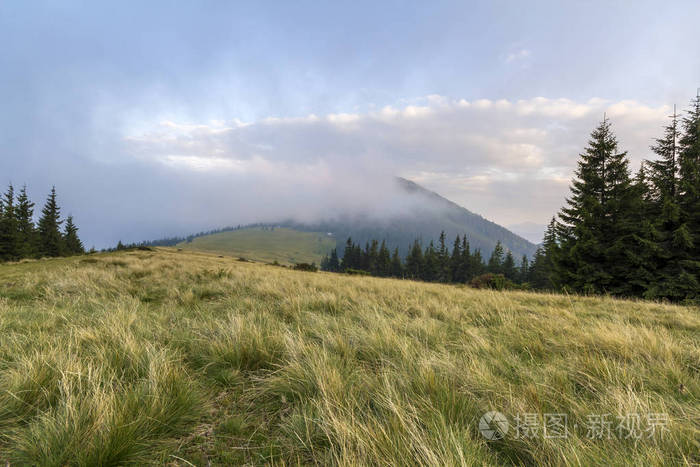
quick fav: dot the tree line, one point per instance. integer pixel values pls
(21, 237)
(432, 263)
(619, 234)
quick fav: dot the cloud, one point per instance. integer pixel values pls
(508, 160)
(518, 55)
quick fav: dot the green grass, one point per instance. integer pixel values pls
(184, 358)
(285, 246)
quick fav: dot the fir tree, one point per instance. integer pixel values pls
(25, 225)
(50, 238)
(477, 264)
(431, 264)
(396, 266)
(414, 261)
(443, 260)
(495, 265)
(456, 261)
(333, 263)
(524, 270)
(595, 235)
(349, 260)
(9, 233)
(686, 239)
(383, 261)
(73, 245)
(508, 268)
(466, 272)
(643, 252)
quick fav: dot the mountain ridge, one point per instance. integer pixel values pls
(431, 214)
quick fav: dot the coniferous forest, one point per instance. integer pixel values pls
(21, 237)
(623, 234)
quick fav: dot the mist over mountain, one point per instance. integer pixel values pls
(417, 213)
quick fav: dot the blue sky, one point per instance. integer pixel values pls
(155, 118)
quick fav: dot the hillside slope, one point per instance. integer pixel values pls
(285, 246)
(183, 358)
(428, 214)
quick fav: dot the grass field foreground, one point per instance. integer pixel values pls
(183, 358)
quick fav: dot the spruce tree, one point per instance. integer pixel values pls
(477, 264)
(466, 272)
(415, 261)
(456, 261)
(396, 266)
(383, 261)
(524, 270)
(348, 256)
(686, 239)
(596, 237)
(431, 264)
(50, 238)
(443, 260)
(25, 225)
(333, 263)
(71, 241)
(643, 252)
(508, 268)
(9, 233)
(495, 265)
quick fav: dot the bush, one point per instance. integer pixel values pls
(358, 272)
(492, 281)
(306, 267)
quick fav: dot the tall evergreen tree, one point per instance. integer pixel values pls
(443, 260)
(524, 270)
(50, 238)
(456, 261)
(595, 235)
(333, 262)
(686, 239)
(495, 265)
(643, 253)
(414, 261)
(466, 272)
(508, 268)
(477, 264)
(71, 241)
(431, 264)
(9, 233)
(383, 265)
(396, 266)
(25, 225)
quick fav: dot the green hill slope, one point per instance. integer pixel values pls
(181, 358)
(283, 245)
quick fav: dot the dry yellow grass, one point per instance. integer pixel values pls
(188, 359)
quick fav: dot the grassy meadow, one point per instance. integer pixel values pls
(184, 358)
(286, 246)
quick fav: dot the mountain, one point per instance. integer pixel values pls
(424, 215)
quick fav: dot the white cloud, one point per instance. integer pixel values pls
(520, 54)
(509, 161)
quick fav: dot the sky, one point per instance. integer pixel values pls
(167, 117)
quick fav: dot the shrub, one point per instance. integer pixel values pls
(306, 267)
(492, 281)
(357, 272)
